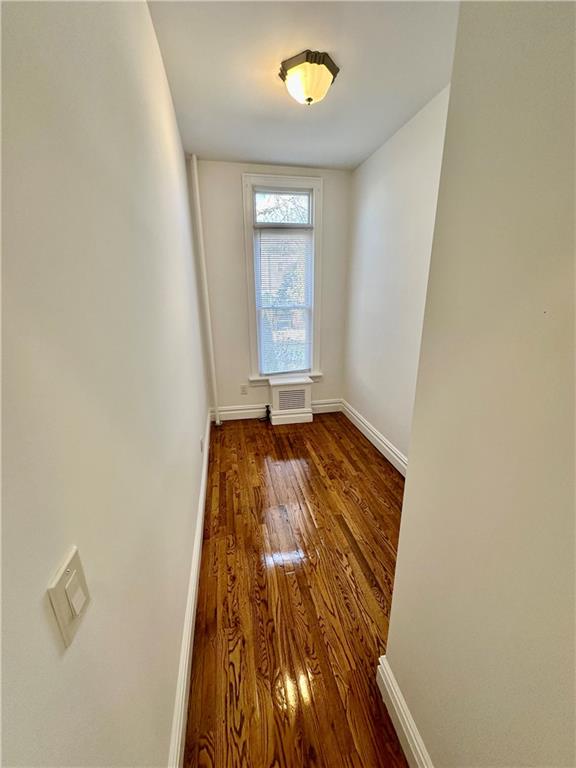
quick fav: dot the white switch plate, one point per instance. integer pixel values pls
(69, 595)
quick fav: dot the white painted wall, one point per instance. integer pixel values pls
(222, 209)
(104, 391)
(482, 628)
(394, 194)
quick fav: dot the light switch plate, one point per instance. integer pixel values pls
(69, 595)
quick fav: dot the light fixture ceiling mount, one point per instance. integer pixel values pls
(308, 76)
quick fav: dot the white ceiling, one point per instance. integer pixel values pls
(222, 60)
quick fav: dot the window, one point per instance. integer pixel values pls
(282, 248)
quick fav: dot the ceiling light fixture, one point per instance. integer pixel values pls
(308, 76)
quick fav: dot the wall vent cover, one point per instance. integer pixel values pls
(288, 399)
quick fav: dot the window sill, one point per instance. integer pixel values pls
(262, 381)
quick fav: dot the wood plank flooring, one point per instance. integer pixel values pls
(298, 560)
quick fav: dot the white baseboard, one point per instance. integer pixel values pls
(327, 406)
(394, 456)
(233, 412)
(179, 718)
(404, 725)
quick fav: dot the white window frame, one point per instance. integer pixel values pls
(251, 182)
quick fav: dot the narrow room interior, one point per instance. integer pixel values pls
(315, 265)
(288, 384)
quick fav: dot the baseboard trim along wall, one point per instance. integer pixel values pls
(394, 456)
(404, 725)
(327, 406)
(233, 412)
(179, 719)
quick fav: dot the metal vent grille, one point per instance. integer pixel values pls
(289, 399)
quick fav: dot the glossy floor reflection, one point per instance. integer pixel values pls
(298, 559)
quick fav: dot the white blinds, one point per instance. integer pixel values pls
(283, 271)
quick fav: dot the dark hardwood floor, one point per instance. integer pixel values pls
(298, 559)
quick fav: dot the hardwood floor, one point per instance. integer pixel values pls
(298, 559)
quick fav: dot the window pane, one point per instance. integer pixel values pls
(283, 270)
(284, 336)
(282, 207)
(283, 261)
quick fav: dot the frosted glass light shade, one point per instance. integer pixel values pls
(308, 76)
(308, 83)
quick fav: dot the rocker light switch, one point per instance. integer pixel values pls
(75, 594)
(69, 596)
